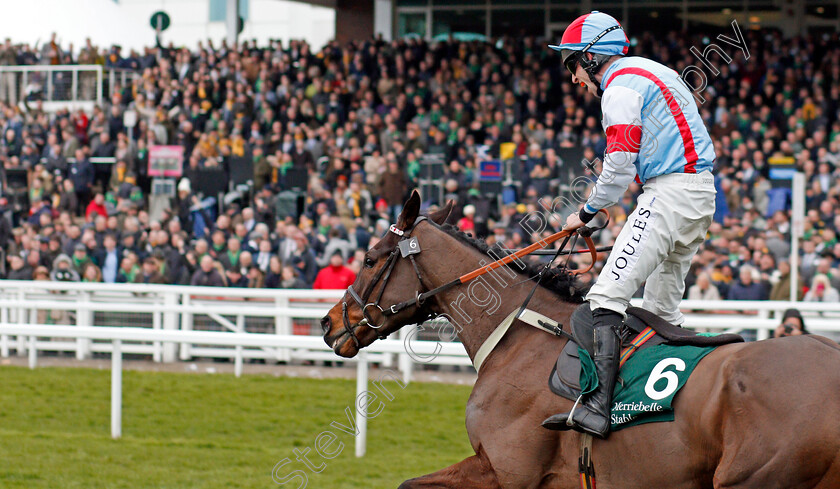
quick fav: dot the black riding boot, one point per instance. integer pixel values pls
(593, 415)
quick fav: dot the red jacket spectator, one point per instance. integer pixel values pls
(96, 205)
(467, 223)
(335, 275)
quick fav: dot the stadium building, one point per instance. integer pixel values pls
(318, 21)
(495, 18)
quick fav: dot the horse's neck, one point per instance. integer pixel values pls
(478, 307)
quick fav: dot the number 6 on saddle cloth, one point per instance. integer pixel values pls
(652, 339)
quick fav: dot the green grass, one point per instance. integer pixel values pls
(209, 431)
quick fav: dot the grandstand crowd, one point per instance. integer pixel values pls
(357, 121)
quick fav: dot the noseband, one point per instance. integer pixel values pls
(362, 301)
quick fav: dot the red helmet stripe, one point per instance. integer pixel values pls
(574, 32)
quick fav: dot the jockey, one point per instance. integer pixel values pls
(655, 136)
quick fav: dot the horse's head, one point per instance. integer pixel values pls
(387, 279)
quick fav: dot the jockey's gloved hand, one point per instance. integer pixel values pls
(585, 216)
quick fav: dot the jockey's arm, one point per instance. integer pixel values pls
(622, 109)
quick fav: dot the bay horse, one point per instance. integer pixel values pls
(754, 415)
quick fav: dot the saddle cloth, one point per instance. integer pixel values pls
(672, 346)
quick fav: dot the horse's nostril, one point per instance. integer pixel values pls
(325, 324)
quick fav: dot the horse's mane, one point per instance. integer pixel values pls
(558, 280)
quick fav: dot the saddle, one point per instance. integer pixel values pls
(565, 376)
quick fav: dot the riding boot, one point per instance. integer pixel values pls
(593, 415)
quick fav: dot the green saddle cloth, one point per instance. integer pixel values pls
(647, 383)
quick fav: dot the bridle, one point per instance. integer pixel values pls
(420, 298)
(362, 300)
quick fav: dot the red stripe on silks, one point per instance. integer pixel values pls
(624, 137)
(638, 180)
(688, 140)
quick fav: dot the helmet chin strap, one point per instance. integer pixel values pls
(591, 67)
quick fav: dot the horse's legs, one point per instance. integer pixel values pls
(470, 473)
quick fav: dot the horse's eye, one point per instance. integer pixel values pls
(369, 263)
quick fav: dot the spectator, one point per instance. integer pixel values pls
(207, 275)
(256, 278)
(467, 223)
(703, 290)
(822, 291)
(747, 289)
(108, 257)
(63, 270)
(129, 270)
(235, 278)
(335, 275)
(96, 207)
(275, 273)
(335, 243)
(80, 258)
(41, 274)
(263, 258)
(229, 258)
(91, 273)
(150, 273)
(792, 324)
(781, 284)
(290, 279)
(67, 199)
(393, 185)
(82, 174)
(18, 269)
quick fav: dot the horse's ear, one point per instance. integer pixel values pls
(440, 216)
(410, 211)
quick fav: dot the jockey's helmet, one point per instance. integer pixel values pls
(597, 33)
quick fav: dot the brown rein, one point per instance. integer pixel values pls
(504, 261)
(530, 249)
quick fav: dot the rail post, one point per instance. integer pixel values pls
(74, 85)
(186, 325)
(282, 326)
(762, 333)
(83, 318)
(405, 364)
(21, 319)
(33, 353)
(116, 390)
(4, 339)
(156, 325)
(240, 328)
(361, 406)
(170, 322)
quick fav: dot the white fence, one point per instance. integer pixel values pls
(164, 307)
(276, 312)
(61, 86)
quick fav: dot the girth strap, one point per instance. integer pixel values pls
(527, 316)
(493, 340)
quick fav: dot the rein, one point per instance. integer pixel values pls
(420, 298)
(584, 232)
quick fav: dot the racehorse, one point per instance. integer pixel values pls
(754, 415)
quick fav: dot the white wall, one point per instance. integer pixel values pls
(126, 22)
